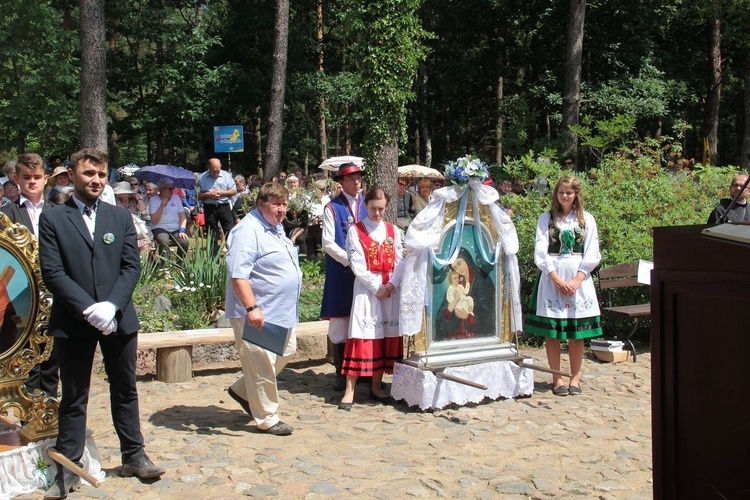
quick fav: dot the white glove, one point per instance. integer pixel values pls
(111, 328)
(101, 314)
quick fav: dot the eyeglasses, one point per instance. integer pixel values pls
(567, 162)
(403, 183)
(135, 185)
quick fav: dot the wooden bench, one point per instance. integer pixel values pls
(623, 276)
(174, 350)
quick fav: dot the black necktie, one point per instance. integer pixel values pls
(87, 211)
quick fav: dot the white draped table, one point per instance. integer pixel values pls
(421, 387)
(19, 473)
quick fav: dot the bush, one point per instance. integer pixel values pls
(313, 276)
(628, 197)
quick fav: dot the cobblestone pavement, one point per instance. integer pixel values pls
(594, 445)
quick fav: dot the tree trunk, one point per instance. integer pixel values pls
(258, 145)
(572, 85)
(93, 75)
(424, 116)
(322, 136)
(499, 128)
(713, 98)
(385, 175)
(745, 154)
(347, 133)
(417, 144)
(278, 85)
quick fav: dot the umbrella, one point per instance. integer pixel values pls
(419, 171)
(180, 176)
(333, 164)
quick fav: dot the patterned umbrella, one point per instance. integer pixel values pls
(181, 177)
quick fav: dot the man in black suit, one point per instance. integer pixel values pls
(32, 177)
(89, 261)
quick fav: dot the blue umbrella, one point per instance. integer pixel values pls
(179, 176)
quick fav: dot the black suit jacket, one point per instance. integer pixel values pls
(80, 272)
(19, 215)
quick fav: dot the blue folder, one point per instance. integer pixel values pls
(271, 337)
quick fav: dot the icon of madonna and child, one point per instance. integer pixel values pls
(464, 294)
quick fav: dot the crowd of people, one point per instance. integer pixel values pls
(267, 227)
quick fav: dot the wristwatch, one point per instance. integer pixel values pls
(251, 308)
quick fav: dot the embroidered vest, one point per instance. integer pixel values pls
(380, 258)
(339, 281)
(565, 241)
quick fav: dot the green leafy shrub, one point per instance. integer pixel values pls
(628, 196)
(311, 296)
(199, 281)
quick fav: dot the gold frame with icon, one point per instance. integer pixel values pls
(24, 315)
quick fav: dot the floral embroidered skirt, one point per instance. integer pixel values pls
(561, 328)
(368, 357)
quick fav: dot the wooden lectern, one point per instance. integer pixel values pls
(700, 339)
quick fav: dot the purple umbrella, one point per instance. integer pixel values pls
(181, 177)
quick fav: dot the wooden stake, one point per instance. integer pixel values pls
(65, 462)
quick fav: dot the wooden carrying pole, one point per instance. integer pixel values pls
(520, 362)
(460, 380)
(65, 462)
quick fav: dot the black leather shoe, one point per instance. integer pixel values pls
(64, 484)
(240, 400)
(280, 429)
(142, 467)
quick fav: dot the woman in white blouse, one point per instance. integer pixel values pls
(374, 344)
(564, 304)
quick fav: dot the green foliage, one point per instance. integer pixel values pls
(196, 287)
(390, 48)
(158, 73)
(628, 198)
(152, 271)
(38, 79)
(603, 136)
(42, 465)
(309, 303)
(313, 276)
(200, 280)
(313, 270)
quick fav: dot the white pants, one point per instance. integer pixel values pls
(259, 369)
(338, 330)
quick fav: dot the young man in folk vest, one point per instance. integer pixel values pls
(339, 214)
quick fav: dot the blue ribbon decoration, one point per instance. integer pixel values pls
(484, 252)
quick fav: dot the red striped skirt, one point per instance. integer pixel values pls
(368, 357)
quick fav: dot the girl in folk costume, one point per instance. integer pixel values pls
(564, 304)
(373, 345)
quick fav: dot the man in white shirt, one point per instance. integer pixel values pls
(339, 214)
(32, 178)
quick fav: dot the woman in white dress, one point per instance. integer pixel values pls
(375, 251)
(564, 304)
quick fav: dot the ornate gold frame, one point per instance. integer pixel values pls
(38, 410)
(426, 352)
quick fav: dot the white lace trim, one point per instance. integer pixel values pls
(19, 473)
(421, 387)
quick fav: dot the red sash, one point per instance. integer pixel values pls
(380, 258)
